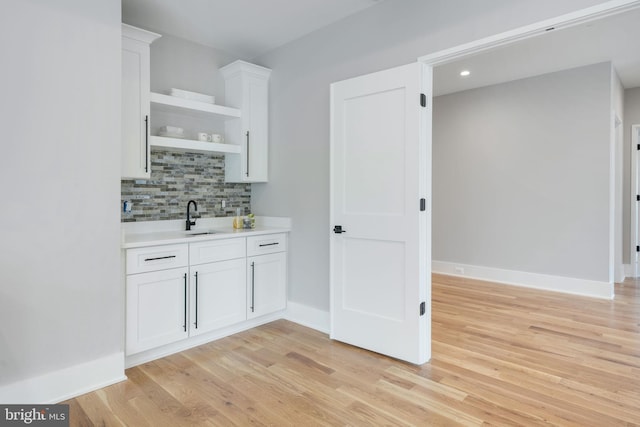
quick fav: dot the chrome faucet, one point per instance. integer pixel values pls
(189, 222)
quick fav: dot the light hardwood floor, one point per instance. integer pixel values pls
(502, 355)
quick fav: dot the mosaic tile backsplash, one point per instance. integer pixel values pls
(178, 177)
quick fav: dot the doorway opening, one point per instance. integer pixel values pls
(607, 247)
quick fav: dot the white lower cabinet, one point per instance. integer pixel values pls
(218, 295)
(266, 274)
(156, 309)
(185, 290)
(267, 285)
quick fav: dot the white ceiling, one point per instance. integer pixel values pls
(615, 38)
(249, 28)
(246, 28)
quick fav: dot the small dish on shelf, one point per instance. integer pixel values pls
(172, 135)
(171, 132)
(171, 129)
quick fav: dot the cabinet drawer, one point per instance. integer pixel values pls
(267, 244)
(142, 260)
(217, 250)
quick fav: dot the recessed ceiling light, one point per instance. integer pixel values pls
(465, 73)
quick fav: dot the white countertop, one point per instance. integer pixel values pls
(152, 233)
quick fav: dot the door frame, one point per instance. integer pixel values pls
(537, 29)
(568, 20)
(635, 210)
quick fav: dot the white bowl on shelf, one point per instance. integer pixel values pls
(173, 130)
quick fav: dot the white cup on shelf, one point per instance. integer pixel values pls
(217, 138)
(204, 137)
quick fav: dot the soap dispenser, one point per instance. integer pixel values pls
(237, 221)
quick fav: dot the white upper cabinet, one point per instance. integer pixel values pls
(245, 117)
(247, 88)
(136, 76)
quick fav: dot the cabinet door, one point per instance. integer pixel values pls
(255, 116)
(267, 284)
(135, 109)
(218, 295)
(247, 88)
(156, 309)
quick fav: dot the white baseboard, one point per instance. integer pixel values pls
(67, 383)
(568, 285)
(308, 316)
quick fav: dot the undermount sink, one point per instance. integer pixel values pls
(200, 233)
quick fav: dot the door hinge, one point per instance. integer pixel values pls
(638, 197)
(423, 308)
(423, 205)
(423, 101)
(638, 146)
(637, 248)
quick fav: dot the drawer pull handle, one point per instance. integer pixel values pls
(160, 257)
(247, 154)
(184, 325)
(269, 244)
(146, 143)
(253, 286)
(196, 322)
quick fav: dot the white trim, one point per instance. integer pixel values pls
(308, 316)
(567, 285)
(537, 29)
(612, 197)
(66, 383)
(635, 210)
(618, 183)
(139, 34)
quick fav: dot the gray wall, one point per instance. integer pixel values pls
(521, 175)
(392, 33)
(61, 299)
(631, 117)
(182, 64)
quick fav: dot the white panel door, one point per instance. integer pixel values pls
(380, 264)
